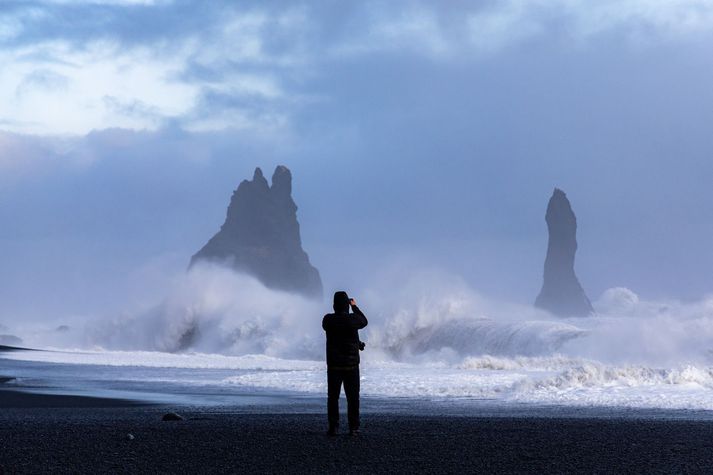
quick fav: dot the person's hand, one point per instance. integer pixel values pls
(352, 302)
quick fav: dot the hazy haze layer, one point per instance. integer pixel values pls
(419, 136)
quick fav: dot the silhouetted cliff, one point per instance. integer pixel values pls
(261, 236)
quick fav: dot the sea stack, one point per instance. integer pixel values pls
(261, 236)
(561, 292)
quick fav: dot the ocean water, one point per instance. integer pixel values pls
(199, 378)
(220, 335)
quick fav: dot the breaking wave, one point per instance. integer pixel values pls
(594, 374)
(432, 336)
(213, 310)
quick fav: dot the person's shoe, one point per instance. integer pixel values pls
(332, 432)
(354, 432)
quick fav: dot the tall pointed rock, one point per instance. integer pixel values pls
(261, 236)
(561, 292)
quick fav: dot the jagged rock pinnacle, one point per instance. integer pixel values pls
(261, 236)
(282, 181)
(561, 291)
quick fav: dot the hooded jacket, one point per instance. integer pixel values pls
(343, 337)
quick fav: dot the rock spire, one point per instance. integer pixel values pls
(561, 292)
(261, 236)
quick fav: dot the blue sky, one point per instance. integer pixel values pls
(420, 134)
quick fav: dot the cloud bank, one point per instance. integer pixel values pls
(72, 67)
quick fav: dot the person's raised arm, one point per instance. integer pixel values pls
(359, 317)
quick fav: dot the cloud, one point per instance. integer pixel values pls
(640, 18)
(457, 30)
(122, 3)
(28, 155)
(382, 29)
(72, 67)
(51, 87)
(74, 82)
(511, 21)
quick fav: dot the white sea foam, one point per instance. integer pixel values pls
(431, 336)
(156, 359)
(540, 380)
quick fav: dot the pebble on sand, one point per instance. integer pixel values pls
(172, 416)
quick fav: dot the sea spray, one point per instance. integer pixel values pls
(430, 335)
(429, 316)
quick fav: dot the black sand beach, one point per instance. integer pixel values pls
(73, 438)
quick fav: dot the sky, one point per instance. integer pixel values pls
(420, 135)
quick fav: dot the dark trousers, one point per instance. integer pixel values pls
(350, 378)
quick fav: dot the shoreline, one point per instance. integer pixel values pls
(22, 398)
(28, 397)
(217, 380)
(15, 394)
(7, 348)
(41, 432)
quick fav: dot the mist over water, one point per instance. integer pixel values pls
(429, 335)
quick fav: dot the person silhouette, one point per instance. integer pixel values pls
(343, 348)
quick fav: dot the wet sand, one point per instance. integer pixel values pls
(74, 438)
(15, 399)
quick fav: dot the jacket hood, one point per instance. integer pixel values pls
(341, 302)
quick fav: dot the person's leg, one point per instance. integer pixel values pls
(351, 389)
(334, 387)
